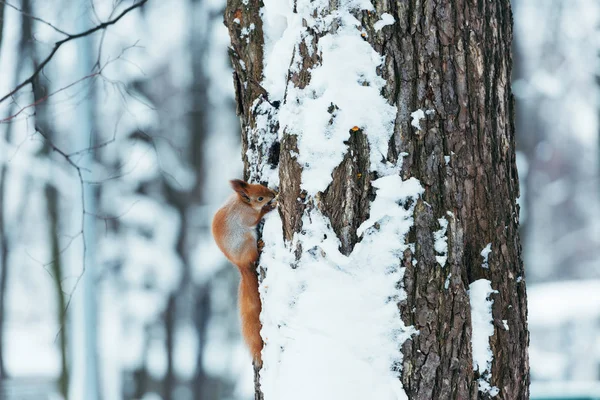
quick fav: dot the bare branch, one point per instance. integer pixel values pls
(46, 97)
(35, 18)
(92, 75)
(62, 153)
(58, 44)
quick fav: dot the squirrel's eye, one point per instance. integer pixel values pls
(260, 198)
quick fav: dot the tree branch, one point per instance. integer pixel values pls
(46, 97)
(35, 18)
(69, 37)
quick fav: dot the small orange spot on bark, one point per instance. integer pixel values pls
(355, 128)
(238, 14)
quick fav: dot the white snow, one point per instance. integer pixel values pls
(392, 189)
(482, 330)
(329, 317)
(346, 78)
(417, 116)
(447, 283)
(265, 138)
(335, 312)
(563, 303)
(29, 341)
(186, 349)
(485, 253)
(441, 242)
(386, 19)
(156, 359)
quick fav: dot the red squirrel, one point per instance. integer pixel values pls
(234, 230)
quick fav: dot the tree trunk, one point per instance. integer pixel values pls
(3, 232)
(446, 68)
(44, 124)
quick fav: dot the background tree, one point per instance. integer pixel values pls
(141, 152)
(446, 69)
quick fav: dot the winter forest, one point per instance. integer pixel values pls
(407, 259)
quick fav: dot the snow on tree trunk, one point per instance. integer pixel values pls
(389, 132)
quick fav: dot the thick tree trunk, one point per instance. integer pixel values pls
(452, 60)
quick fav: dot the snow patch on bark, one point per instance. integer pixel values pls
(343, 91)
(482, 330)
(386, 19)
(441, 242)
(333, 319)
(263, 136)
(485, 253)
(416, 117)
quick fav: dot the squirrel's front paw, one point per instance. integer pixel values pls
(260, 244)
(271, 205)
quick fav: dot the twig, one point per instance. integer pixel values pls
(92, 75)
(58, 44)
(59, 151)
(46, 97)
(36, 18)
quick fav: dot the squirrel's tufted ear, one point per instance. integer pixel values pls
(240, 187)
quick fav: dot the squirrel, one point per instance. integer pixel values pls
(234, 231)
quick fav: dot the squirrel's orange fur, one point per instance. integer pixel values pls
(234, 230)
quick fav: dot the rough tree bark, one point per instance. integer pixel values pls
(452, 57)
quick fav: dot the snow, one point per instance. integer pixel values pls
(578, 301)
(417, 116)
(264, 137)
(156, 359)
(485, 254)
(386, 19)
(186, 348)
(568, 389)
(482, 330)
(326, 311)
(392, 189)
(447, 283)
(441, 242)
(335, 312)
(32, 341)
(346, 78)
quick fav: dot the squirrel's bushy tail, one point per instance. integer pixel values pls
(249, 303)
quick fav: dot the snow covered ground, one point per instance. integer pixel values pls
(564, 321)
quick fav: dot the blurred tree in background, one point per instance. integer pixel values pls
(116, 153)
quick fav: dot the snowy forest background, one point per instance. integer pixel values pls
(119, 157)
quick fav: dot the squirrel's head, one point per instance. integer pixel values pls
(256, 196)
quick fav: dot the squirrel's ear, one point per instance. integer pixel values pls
(240, 187)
